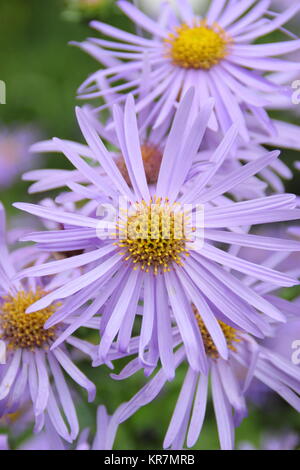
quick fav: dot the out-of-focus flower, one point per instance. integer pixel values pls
(214, 53)
(18, 421)
(4, 442)
(180, 269)
(15, 157)
(285, 441)
(48, 439)
(286, 340)
(228, 380)
(29, 370)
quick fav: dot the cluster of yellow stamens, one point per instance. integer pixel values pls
(199, 46)
(153, 236)
(152, 157)
(25, 330)
(230, 333)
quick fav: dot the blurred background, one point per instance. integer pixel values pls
(42, 73)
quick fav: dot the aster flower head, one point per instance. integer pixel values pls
(29, 371)
(4, 442)
(287, 440)
(229, 381)
(214, 53)
(152, 142)
(138, 262)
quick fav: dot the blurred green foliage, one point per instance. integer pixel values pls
(42, 73)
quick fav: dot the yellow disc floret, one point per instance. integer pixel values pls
(198, 47)
(230, 333)
(25, 330)
(154, 236)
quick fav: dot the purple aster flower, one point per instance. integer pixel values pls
(29, 370)
(107, 427)
(4, 442)
(153, 7)
(14, 153)
(152, 144)
(132, 261)
(228, 381)
(214, 53)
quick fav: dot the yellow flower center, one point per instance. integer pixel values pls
(25, 330)
(152, 157)
(198, 47)
(154, 236)
(231, 336)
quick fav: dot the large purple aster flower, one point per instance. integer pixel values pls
(214, 53)
(135, 259)
(29, 370)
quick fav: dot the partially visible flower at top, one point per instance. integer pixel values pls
(15, 157)
(29, 371)
(152, 145)
(130, 262)
(287, 440)
(4, 442)
(284, 339)
(214, 53)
